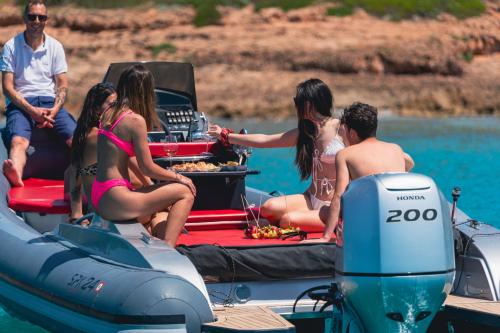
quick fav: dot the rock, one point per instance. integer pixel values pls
(10, 15)
(250, 65)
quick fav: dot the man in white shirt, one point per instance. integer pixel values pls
(34, 81)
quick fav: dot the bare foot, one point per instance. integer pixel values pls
(11, 173)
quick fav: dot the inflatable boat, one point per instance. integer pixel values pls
(404, 249)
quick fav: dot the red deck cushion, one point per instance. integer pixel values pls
(47, 196)
(233, 238)
(222, 227)
(40, 196)
(217, 215)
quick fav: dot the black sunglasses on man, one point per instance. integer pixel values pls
(33, 17)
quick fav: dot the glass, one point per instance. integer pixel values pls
(33, 17)
(206, 137)
(170, 147)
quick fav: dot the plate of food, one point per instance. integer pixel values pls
(232, 166)
(196, 167)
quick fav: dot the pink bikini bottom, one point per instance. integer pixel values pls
(99, 188)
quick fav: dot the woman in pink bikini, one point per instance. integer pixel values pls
(123, 133)
(318, 137)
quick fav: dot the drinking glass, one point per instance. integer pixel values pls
(206, 137)
(171, 147)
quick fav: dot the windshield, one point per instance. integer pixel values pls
(167, 99)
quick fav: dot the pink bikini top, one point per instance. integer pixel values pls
(126, 146)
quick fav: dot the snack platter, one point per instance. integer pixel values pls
(197, 167)
(194, 158)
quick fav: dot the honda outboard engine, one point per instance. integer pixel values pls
(394, 264)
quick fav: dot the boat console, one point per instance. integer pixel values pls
(176, 103)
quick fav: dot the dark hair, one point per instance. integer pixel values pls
(317, 94)
(362, 118)
(89, 118)
(31, 3)
(135, 91)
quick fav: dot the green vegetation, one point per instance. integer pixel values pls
(465, 8)
(340, 11)
(207, 13)
(92, 3)
(286, 5)
(401, 9)
(165, 47)
(468, 56)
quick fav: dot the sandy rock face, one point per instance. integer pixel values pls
(249, 64)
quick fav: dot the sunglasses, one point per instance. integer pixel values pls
(106, 85)
(33, 17)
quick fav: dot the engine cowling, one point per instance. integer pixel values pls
(395, 262)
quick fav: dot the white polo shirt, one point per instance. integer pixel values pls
(34, 70)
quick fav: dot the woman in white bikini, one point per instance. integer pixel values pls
(318, 137)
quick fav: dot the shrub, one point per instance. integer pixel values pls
(342, 10)
(465, 8)
(468, 56)
(206, 13)
(167, 47)
(283, 4)
(401, 9)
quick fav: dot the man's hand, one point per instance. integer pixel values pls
(44, 117)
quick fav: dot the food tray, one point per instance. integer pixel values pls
(219, 173)
(196, 158)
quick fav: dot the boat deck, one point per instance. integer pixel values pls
(473, 310)
(248, 319)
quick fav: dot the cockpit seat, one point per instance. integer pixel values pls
(46, 197)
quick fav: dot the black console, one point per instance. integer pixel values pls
(187, 125)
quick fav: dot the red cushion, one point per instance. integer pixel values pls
(234, 238)
(47, 196)
(217, 215)
(39, 195)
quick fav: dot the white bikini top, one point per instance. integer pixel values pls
(331, 151)
(328, 157)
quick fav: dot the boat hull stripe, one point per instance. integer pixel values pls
(393, 274)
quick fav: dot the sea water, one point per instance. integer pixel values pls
(462, 152)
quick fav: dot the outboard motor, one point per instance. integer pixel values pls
(394, 264)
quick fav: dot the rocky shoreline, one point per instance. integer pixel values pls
(249, 64)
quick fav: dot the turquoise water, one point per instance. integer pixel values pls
(461, 152)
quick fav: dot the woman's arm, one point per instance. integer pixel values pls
(136, 172)
(286, 139)
(138, 130)
(74, 187)
(342, 180)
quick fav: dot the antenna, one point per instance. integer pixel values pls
(455, 194)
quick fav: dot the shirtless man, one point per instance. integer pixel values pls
(365, 156)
